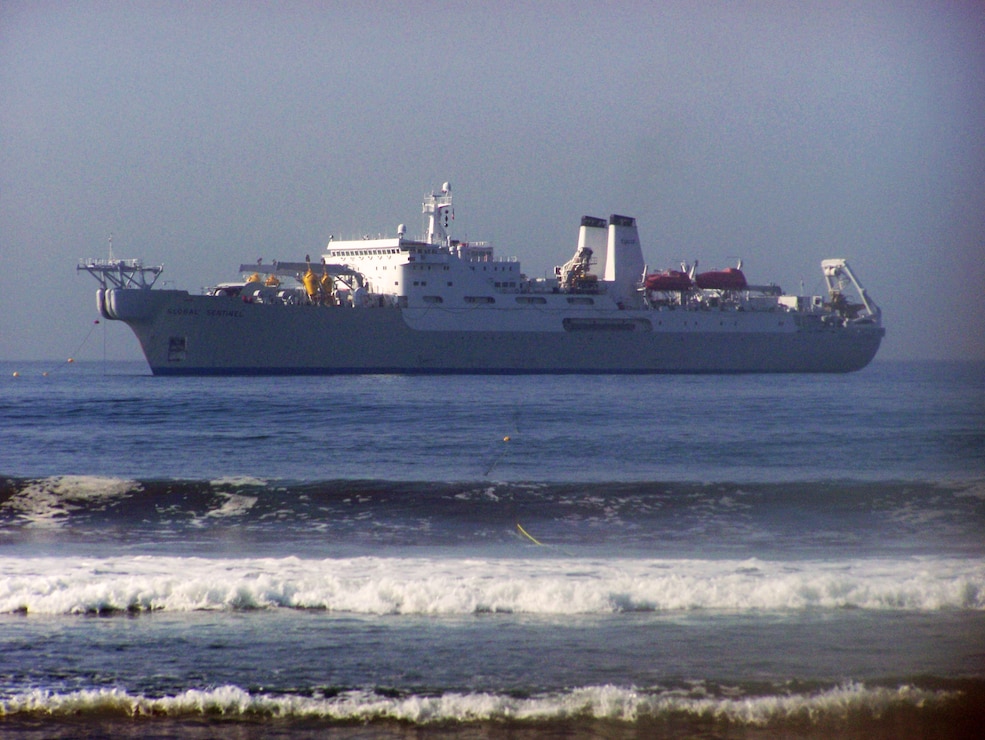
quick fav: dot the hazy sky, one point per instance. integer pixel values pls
(206, 134)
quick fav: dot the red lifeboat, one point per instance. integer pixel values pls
(731, 278)
(667, 280)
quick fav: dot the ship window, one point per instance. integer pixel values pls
(530, 299)
(581, 301)
(479, 299)
(433, 299)
(176, 349)
(606, 325)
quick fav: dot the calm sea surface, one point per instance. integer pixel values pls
(391, 556)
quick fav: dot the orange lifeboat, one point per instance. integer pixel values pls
(667, 280)
(731, 278)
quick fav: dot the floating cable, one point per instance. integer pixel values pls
(527, 534)
(78, 349)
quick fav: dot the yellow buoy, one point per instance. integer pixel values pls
(16, 374)
(70, 359)
(506, 438)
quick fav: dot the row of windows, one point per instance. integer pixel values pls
(342, 253)
(487, 299)
(705, 324)
(361, 252)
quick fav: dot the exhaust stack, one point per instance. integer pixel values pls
(624, 264)
(592, 236)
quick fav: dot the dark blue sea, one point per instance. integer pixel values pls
(492, 557)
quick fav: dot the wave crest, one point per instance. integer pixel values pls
(454, 586)
(613, 703)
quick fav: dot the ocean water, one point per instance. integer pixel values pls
(492, 557)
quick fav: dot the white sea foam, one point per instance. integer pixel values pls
(238, 481)
(974, 490)
(448, 586)
(235, 505)
(598, 702)
(45, 503)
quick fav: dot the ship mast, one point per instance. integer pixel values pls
(438, 210)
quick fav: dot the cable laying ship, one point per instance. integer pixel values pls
(440, 305)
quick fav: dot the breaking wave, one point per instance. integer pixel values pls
(48, 502)
(832, 707)
(459, 586)
(61, 501)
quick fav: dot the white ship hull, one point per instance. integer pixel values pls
(182, 334)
